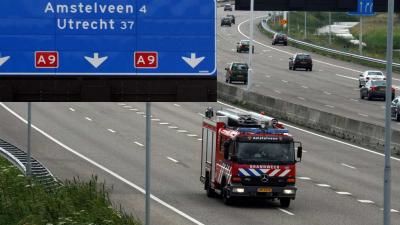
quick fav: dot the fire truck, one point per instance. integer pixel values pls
(248, 155)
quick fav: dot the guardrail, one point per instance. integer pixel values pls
(19, 158)
(264, 24)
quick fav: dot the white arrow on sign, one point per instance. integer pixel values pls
(193, 61)
(96, 61)
(4, 60)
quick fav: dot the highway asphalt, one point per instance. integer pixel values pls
(107, 138)
(332, 86)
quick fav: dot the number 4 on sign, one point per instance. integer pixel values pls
(143, 9)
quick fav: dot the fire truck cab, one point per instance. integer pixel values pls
(246, 154)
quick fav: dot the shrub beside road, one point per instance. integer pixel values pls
(24, 202)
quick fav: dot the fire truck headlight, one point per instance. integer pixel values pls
(288, 192)
(238, 190)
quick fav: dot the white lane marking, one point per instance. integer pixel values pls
(325, 137)
(121, 104)
(173, 160)
(277, 91)
(364, 115)
(201, 114)
(365, 201)
(285, 81)
(134, 109)
(192, 135)
(304, 151)
(267, 76)
(127, 106)
(285, 211)
(354, 100)
(392, 210)
(304, 178)
(343, 193)
(155, 119)
(177, 105)
(290, 53)
(199, 139)
(182, 131)
(351, 78)
(111, 130)
(112, 173)
(72, 109)
(270, 56)
(233, 49)
(301, 98)
(140, 113)
(305, 87)
(321, 70)
(349, 166)
(163, 123)
(280, 59)
(173, 127)
(138, 143)
(327, 93)
(88, 119)
(323, 185)
(330, 106)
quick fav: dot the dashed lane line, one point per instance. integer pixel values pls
(330, 106)
(323, 185)
(173, 127)
(343, 193)
(348, 166)
(72, 109)
(351, 78)
(301, 98)
(172, 159)
(285, 211)
(138, 143)
(111, 130)
(177, 105)
(303, 178)
(163, 123)
(361, 114)
(365, 201)
(88, 119)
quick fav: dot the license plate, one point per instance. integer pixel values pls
(303, 62)
(264, 190)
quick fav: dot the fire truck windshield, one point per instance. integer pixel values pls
(259, 152)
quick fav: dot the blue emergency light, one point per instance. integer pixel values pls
(262, 131)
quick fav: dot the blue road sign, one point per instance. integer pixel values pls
(364, 8)
(107, 37)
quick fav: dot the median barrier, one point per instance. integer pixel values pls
(361, 133)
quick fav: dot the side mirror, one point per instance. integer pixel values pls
(226, 150)
(226, 69)
(299, 152)
(291, 58)
(361, 75)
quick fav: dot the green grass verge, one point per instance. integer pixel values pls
(24, 202)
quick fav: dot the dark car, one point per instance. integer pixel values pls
(396, 109)
(228, 7)
(279, 39)
(236, 72)
(300, 60)
(243, 46)
(232, 17)
(375, 89)
(226, 21)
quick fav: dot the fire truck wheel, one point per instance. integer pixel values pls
(209, 190)
(285, 202)
(225, 195)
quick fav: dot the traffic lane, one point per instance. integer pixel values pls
(302, 82)
(195, 111)
(344, 168)
(236, 213)
(65, 165)
(162, 112)
(172, 182)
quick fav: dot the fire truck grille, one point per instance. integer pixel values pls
(271, 181)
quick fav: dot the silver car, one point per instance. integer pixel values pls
(370, 75)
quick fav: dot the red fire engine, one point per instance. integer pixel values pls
(246, 154)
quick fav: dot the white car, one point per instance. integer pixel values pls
(370, 75)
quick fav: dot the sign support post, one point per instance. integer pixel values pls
(28, 160)
(250, 71)
(388, 131)
(148, 160)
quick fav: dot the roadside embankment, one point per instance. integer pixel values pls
(26, 202)
(358, 132)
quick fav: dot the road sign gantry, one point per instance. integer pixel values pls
(119, 37)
